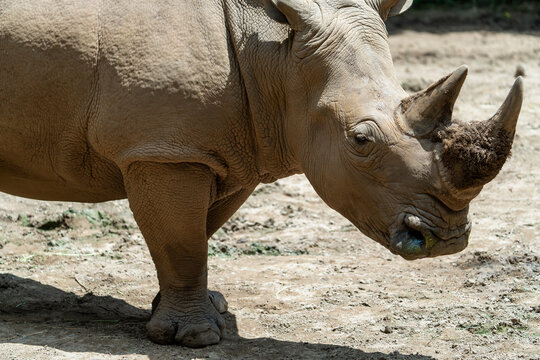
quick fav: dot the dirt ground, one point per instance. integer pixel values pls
(76, 280)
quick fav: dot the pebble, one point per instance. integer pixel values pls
(387, 330)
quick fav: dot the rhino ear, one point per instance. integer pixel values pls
(400, 7)
(299, 14)
(389, 8)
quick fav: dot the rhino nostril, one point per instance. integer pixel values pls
(417, 236)
(410, 241)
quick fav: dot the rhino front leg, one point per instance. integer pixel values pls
(218, 214)
(170, 204)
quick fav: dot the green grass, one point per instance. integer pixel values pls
(223, 250)
(494, 327)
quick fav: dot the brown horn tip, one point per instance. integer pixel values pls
(507, 116)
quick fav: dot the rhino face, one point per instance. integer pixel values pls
(397, 166)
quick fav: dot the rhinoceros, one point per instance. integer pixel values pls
(183, 107)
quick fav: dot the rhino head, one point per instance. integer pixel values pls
(397, 166)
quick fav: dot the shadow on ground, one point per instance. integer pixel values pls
(35, 314)
(440, 21)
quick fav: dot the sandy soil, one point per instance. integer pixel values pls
(76, 280)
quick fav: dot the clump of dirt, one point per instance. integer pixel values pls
(472, 152)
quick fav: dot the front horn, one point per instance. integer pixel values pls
(507, 116)
(474, 153)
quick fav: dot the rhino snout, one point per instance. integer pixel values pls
(416, 239)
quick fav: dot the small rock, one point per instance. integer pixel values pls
(387, 330)
(520, 71)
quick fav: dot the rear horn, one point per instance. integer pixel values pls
(430, 108)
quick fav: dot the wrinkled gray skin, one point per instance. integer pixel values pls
(184, 107)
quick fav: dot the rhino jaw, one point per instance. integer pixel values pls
(414, 239)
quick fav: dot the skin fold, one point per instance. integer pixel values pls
(184, 107)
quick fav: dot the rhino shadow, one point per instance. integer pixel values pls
(441, 21)
(32, 313)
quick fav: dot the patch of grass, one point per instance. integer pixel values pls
(24, 220)
(94, 217)
(56, 242)
(220, 250)
(254, 248)
(260, 249)
(494, 327)
(26, 259)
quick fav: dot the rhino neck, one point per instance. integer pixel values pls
(261, 58)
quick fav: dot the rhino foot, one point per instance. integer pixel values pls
(217, 299)
(192, 324)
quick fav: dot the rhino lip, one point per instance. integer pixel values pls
(416, 239)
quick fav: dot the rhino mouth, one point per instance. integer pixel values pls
(416, 239)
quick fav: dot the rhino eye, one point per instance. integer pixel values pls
(361, 139)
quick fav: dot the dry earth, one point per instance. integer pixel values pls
(76, 280)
